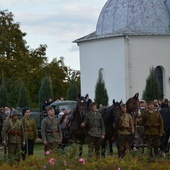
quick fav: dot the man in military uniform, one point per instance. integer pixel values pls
(96, 130)
(154, 128)
(51, 131)
(31, 133)
(13, 135)
(125, 132)
(139, 131)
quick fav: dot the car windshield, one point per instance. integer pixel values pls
(64, 105)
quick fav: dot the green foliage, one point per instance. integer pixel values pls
(72, 90)
(20, 62)
(3, 94)
(101, 96)
(69, 160)
(13, 92)
(45, 91)
(151, 90)
(24, 97)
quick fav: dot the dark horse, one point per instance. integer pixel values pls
(77, 133)
(132, 107)
(111, 120)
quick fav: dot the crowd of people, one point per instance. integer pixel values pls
(152, 126)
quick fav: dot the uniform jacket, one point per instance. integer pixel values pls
(95, 124)
(13, 131)
(50, 130)
(140, 117)
(153, 123)
(126, 125)
(30, 128)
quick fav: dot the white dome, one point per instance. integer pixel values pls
(133, 16)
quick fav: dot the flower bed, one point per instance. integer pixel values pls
(69, 160)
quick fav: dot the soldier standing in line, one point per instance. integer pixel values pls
(154, 128)
(139, 131)
(13, 136)
(31, 133)
(51, 131)
(96, 130)
(125, 132)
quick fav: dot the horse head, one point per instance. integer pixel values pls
(132, 105)
(117, 111)
(81, 106)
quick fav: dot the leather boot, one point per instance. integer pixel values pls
(156, 151)
(150, 152)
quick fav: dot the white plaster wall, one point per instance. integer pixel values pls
(109, 55)
(145, 52)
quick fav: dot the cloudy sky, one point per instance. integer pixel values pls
(56, 23)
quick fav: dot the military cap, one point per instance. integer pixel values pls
(142, 101)
(92, 104)
(49, 108)
(150, 103)
(14, 112)
(123, 105)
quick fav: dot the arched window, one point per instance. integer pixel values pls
(159, 76)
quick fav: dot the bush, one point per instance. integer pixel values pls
(69, 160)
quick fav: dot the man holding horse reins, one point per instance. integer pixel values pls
(96, 130)
(125, 132)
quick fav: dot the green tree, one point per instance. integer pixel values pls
(57, 72)
(72, 92)
(73, 74)
(20, 62)
(101, 96)
(3, 94)
(24, 97)
(45, 91)
(13, 92)
(152, 90)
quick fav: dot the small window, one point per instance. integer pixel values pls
(159, 75)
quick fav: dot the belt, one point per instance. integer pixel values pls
(52, 131)
(18, 133)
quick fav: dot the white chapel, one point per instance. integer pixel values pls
(131, 36)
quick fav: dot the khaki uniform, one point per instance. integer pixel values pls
(139, 131)
(154, 127)
(13, 133)
(31, 133)
(125, 134)
(51, 132)
(95, 125)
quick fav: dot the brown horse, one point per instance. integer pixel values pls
(132, 107)
(77, 132)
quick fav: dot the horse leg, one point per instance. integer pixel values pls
(81, 148)
(103, 146)
(110, 147)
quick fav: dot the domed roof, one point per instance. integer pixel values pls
(133, 16)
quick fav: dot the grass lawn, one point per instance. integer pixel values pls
(39, 149)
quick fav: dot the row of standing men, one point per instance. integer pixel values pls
(21, 134)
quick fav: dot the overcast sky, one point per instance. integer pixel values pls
(56, 23)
